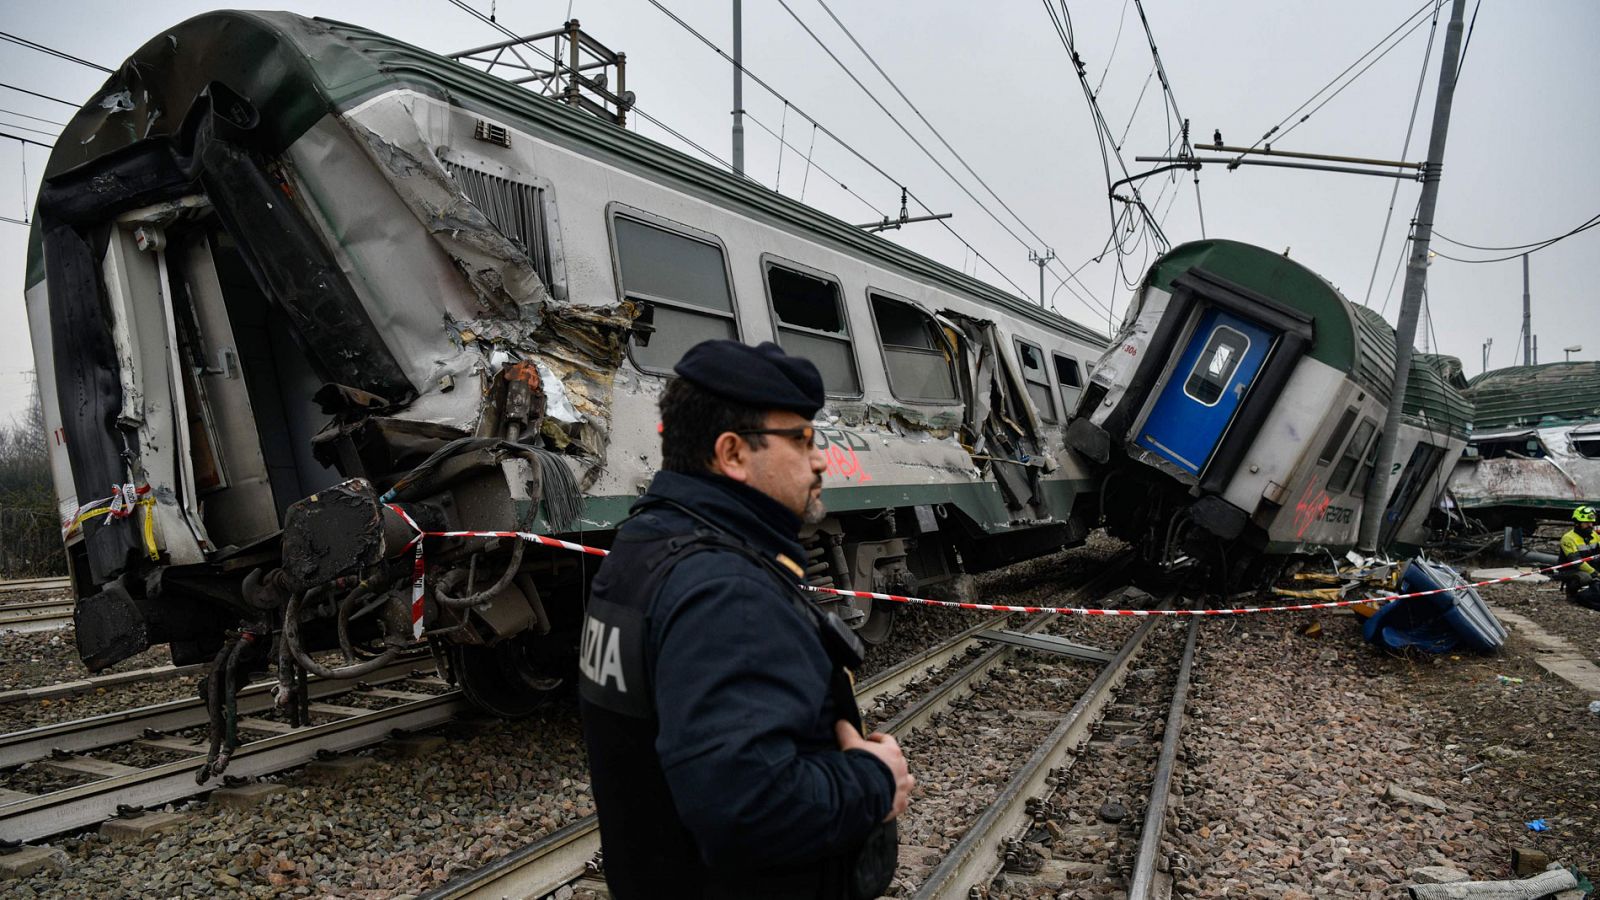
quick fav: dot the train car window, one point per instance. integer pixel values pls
(1216, 365)
(1069, 380)
(1040, 390)
(515, 208)
(1340, 479)
(1586, 443)
(811, 323)
(1336, 439)
(919, 370)
(682, 284)
(1367, 465)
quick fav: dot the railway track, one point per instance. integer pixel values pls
(39, 615)
(63, 747)
(568, 856)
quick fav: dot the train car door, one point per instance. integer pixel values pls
(1216, 368)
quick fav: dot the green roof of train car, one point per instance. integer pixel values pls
(1536, 395)
(296, 70)
(1349, 337)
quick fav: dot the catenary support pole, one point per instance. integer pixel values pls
(738, 88)
(1377, 501)
(1527, 317)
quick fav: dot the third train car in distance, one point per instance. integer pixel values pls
(1235, 417)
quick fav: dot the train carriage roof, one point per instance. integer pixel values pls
(1536, 395)
(296, 70)
(1348, 337)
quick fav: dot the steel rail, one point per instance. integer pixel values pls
(561, 857)
(1141, 885)
(126, 725)
(972, 861)
(76, 807)
(43, 616)
(34, 584)
(96, 682)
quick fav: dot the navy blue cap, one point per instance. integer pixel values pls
(763, 377)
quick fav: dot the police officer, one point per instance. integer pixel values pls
(1581, 541)
(724, 747)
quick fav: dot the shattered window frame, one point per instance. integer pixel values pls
(1046, 386)
(1064, 385)
(876, 296)
(844, 336)
(617, 211)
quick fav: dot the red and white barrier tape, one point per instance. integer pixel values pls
(984, 607)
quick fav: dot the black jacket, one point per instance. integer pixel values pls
(716, 772)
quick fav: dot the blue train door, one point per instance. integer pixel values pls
(1205, 389)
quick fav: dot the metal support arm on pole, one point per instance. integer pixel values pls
(1377, 498)
(1194, 162)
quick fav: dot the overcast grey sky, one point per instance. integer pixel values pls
(994, 79)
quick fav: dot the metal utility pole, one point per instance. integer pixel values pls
(1527, 317)
(1377, 499)
(1041, 262)
(738, 89)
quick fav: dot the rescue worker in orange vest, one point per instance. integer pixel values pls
(1580, 542)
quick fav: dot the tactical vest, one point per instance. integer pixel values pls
(650, 852)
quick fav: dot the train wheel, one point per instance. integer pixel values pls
(504, 679)
(879, 624)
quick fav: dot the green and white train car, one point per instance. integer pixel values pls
(284, 268)
(1235, 416)
(1535, 448)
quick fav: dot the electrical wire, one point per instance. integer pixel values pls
(911, 137)
(1535, 249)
(825, 130)
(12, 112)
(26, 128)
(1320, 91)
(27, 140)
(1586, 224)
(936, 133)
(31, 45)
(781, 140)
(1394, 192)
(15, 221)
(22, 90)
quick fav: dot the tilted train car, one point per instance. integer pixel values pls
(1535, 447)
(286, 268)
(1235, 417)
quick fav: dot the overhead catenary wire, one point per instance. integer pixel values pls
(12, 112)
(936, 133)
(911, 137)
(59, 54)
(27, 140)
(23, 90)
(1270, 132)
(1534, 248)
(827, 131)
(1533, 244)
(1394, 193)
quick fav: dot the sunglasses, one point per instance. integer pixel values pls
(800, 433)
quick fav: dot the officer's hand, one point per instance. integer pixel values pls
(885, 748)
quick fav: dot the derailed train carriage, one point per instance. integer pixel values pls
(1535, 448)
(1235, 418)
(291, 278)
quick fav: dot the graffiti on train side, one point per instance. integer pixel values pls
(840, 446)
(1316, 506)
